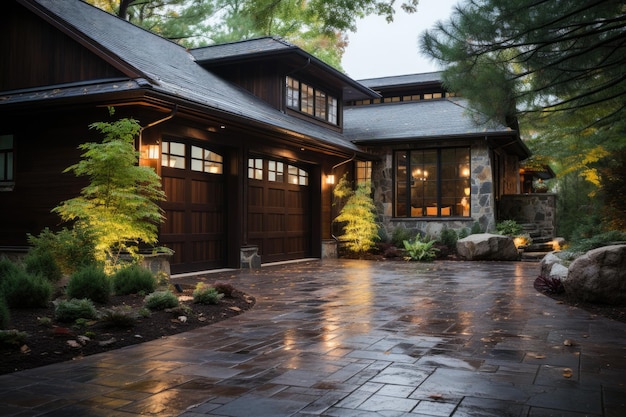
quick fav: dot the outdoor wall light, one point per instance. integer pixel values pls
(330, 179)
(153, 151)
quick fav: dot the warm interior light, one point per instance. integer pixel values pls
(467, 191)
(330, 179)
(153, 151)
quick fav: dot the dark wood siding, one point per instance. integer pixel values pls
(36, 54)
(262, 79)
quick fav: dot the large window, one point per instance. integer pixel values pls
(432, 182)
(274, 171)
(310, 100)
(363, 171)
(6, 159)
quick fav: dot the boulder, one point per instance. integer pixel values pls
(554, 265)
(487, 246)
(599, 276)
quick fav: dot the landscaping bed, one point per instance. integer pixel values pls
(50, 342)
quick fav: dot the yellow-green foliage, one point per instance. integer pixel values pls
(357, 215)
(119, 205)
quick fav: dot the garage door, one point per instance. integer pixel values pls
(193, 181)
(279, 220)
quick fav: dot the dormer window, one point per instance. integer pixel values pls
(307, 99)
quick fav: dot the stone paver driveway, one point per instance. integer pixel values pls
(357, 339)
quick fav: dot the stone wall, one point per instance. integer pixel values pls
(538, 209)
(482, 199)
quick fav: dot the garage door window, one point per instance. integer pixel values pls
(204, 160)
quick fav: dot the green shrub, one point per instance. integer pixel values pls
(448, 238)
(476, 229)
(89, 282)
(204, 294)
(420, 250)
(160, 300)
(597, 241)
(5, 314)
(463, 233)
(75, 309)
(509, 228)
(119, 317)
(400, 234)
(72, 249)
(24, 290)
(42, 263)
(133, 279)
(12, 338)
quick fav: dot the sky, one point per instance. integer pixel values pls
(380, 49)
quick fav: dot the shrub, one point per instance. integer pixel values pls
(71, 249)
(89, 282)
(12, 338)
(75, 309)
(133, 279)
(463, 233)
(597, 241)
(476, 229)
(509, 228)
(448, 238)
(43, 263)
(160, 300)
(419, 250)
(24, 290)
(549, 285)
(399, 235)
(118, 317)
(206, 295)
(224, 288)
(5, 315)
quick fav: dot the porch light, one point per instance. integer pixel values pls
(330, 179)
(153, 151)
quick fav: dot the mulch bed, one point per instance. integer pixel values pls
(51, 342)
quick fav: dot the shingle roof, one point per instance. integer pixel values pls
(402, 80)
(425, 119)
(171, 69)
(247, 47)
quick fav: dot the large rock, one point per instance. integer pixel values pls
(599, 276)
(487, 246)
(553, 265)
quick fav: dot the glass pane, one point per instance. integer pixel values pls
(177, 148)
(196, 152)
(306, 104)
(401, 184)
(320, 105)
(196, 165)
(6, 142)
(332, 110)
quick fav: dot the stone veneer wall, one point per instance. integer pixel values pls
(482, 200)
(538, 209)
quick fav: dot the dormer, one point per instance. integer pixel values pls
(286, 77)
(414, 87)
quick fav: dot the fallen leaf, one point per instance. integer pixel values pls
(568, 342)
(567, 373)
(436, 397)
(25, 349)
(182, 319)
(74, 344)
(234, 308)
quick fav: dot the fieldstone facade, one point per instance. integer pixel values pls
(538, 209)
(482, 195)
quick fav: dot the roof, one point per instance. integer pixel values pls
(277, 48)
(403, 80)
(168, 68)
(422, 120)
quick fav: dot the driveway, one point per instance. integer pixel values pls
(357, 339)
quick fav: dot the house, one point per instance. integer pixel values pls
(248, 137)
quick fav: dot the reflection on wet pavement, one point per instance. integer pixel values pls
(357, 338)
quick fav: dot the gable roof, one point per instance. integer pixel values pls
(381, 124)
(167, 69)
(403, 80)
(272, 47)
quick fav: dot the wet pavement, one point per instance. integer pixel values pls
(347, 338)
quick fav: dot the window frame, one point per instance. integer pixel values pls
(451, 193)
(7, 163)
(311, 101)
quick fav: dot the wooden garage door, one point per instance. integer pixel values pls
(193, 181)
(279, 220)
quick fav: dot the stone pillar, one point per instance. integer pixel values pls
(483, 203)
(329, 249)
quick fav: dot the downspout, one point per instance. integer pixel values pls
(156, 122)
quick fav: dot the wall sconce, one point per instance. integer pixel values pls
(153, 151)
(330, 179)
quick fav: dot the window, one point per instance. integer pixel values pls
(274, 171)
(173, 155)
(432, 182)
(312, 101)
(6, 158)
(363, 171)
(204, 160)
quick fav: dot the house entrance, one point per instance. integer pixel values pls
(279, 220)
(194, 228)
